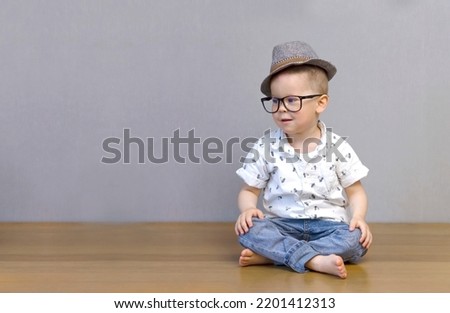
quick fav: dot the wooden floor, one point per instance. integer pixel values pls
(202, 257)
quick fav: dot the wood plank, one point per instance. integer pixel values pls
(202, 257)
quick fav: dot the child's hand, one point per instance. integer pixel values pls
(244, 221)
(366, 235)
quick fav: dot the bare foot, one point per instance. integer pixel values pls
(330, 264)
(248, 257)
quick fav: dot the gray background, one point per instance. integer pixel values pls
(73, 73)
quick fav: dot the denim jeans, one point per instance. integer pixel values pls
(293, 242)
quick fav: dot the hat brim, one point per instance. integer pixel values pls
(329, 69)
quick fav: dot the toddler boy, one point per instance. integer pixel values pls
(315, 205)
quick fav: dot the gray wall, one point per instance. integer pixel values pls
(74, 73)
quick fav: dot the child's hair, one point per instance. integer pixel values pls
(317, 76)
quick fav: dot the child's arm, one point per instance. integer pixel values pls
(247, 200)
(357, 198)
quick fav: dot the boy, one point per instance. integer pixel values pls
(309, 176)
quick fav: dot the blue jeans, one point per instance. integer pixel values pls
(293, 242)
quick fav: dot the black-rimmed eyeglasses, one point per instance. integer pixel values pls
(291, 103)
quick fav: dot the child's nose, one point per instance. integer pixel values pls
(282, 107)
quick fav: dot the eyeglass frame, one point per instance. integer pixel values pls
(285, 106)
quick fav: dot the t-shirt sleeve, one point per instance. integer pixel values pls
(254, 167)
(349, 167)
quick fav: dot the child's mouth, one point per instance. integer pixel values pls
(286, 120)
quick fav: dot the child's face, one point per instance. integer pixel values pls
(302, 122)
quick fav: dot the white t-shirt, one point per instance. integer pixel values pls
(305, 186)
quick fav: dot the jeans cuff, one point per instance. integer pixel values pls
(298, 256)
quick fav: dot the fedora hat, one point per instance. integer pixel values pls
(294, 53)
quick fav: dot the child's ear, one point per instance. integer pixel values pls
(322, 104)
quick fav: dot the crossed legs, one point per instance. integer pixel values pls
(321, 246)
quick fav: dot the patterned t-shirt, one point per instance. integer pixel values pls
(305, 186)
